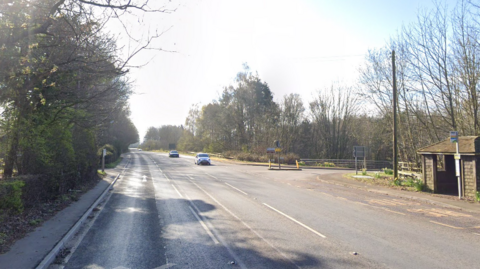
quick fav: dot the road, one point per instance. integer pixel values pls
(169, 213)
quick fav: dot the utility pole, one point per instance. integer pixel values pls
(395, 153)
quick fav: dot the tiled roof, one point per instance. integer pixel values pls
(467, 145)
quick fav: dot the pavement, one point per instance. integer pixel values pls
(30, 251)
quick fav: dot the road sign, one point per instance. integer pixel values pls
(453, 137)
(270, 150)
(278, 149)
(456, 156)
(359, 151)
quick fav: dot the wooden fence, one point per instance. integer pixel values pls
(348, 163)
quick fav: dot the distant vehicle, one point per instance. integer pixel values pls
(173, 153)
(202, 158)
(139, 149)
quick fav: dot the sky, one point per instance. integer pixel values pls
(300, 46)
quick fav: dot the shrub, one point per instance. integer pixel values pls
(364, 172)
(290, 158)
(388, 171)
(410, 182)
(419, 185)
(377, 175)
(327, 164)
(478, 196)
(397, 182)
(11, 195)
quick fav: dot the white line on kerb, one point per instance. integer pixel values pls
(296, 221)
(204, 226)
(236, 188)
(476, 234)
(177, 191)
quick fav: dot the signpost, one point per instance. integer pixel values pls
(360, 152)
(457, 156)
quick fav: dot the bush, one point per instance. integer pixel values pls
(419, 185)
(478, 196)
(388, 171)
(11, 196)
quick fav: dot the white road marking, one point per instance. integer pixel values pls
(476, 234)
(246, 225)
(211, 176)
(236, 188)
(296, 221)
(177, 191)
(144, 179)
(446, 225)
(204, 226)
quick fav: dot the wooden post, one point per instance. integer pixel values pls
(395, 153)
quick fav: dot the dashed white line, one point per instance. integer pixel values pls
(294, 220)
(204, 226)
(246, 225)
(446, 225)
(236, 188)
(177, 191)
(212, 176)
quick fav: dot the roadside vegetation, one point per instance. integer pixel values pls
(437, 77)
(385, 178)
(64, 95)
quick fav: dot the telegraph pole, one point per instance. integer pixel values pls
(395, 153)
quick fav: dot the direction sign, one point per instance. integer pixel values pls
(359, 151)
(278, 149)
(270, 150)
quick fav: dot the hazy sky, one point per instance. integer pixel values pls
(296, 46)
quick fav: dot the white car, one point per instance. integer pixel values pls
(202, 158)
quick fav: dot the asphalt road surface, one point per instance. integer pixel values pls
(169, 213)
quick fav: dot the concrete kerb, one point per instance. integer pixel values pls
(50, 257)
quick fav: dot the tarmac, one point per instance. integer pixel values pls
(33, 250)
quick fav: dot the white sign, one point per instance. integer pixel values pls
(104, 152)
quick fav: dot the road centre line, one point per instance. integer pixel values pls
(177, 191)
(235, 257)
(211, 176)
(236, 188)
(296, 221)
(446, 225)
(204, 226)
(245, 224)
